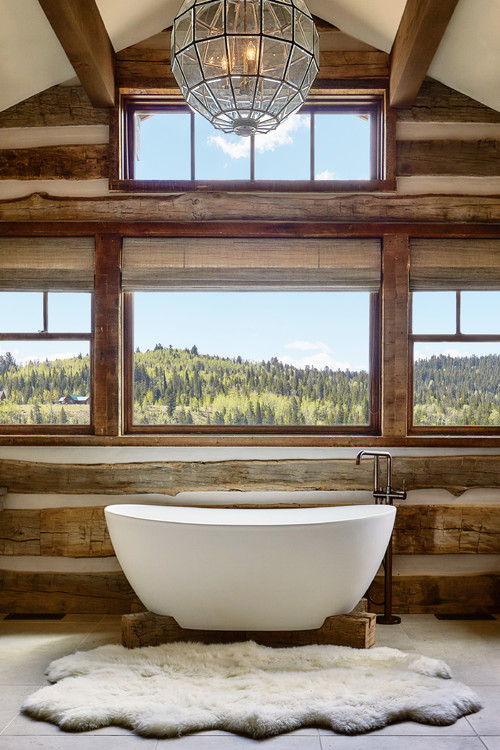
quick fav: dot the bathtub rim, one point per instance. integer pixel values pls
(258, 517)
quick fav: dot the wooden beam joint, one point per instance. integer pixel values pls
(420, 31)
(79, 27)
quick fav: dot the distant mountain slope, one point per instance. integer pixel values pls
(181, 386)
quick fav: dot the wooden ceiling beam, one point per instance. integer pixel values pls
(80, 29)
(420, 31)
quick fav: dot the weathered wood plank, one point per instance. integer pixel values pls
(107, 326)
(395, 272)
(59, 532)
(436, 157)
(151, 68)
(356, 630)
(446, 594)
(453, 473)
(99, 593)
(20, 532)
(438, 103)
(447, 529)
(83, 36)
(420, 31)
(220, 206)
(82, 162)
(74, 532)
(59, 105)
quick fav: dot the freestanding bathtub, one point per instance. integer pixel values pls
(250, 569)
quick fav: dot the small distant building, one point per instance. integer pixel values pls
(74, 398)
(4, 394)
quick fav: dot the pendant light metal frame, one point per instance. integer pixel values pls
(245, 65)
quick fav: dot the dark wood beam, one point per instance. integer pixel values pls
(81, 31)
(420, 31)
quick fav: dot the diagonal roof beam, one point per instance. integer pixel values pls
(420, 31)
(80, 29)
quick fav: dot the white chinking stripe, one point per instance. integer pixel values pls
(63, 135)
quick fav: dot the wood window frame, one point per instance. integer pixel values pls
(457, 337)
(373, 428)
(46, 335)
(382, 155)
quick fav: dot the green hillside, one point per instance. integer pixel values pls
(181, 386)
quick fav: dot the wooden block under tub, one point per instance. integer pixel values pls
(356, 629)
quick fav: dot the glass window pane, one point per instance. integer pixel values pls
(44, 382)
(69, 312)
(284, 153)
(218, 155)
(21, 312)
(480, 312)
(282, 358)
(434, 312)
(341, 147)
(456, 383)
(163, 146)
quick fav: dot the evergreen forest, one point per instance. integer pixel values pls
(182, 386)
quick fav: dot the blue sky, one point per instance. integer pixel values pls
(300, 328)
(342, 149)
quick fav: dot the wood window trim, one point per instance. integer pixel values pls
(255, 431)
(382, 156)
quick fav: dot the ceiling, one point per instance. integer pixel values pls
(468, 58)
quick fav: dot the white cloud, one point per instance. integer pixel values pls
(325, 175)
(263, 142)
(282, 135)
(237, 150)
(320, 356)
(306, 346)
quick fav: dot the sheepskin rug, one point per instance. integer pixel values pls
(177, 688)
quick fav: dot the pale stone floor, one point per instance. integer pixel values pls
(471, 648)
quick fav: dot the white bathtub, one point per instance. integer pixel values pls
(250, 569)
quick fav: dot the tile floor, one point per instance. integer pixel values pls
(471, 648)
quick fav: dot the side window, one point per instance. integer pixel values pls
(455, 361)
(45, 355)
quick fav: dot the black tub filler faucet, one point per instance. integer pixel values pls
(384, 497)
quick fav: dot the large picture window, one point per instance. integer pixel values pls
(281, 340)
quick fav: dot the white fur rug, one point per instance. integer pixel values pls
(170, 690)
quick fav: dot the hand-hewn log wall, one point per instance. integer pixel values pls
(453, 473)
(419, 529)
(107, 593)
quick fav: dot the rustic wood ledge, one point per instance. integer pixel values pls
(356, 629)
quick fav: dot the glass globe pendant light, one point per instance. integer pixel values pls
(245, 65)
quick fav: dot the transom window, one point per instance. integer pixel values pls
(330, 140)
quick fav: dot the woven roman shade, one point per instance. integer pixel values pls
(164, 264)
(47, 264)
(454, 264)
